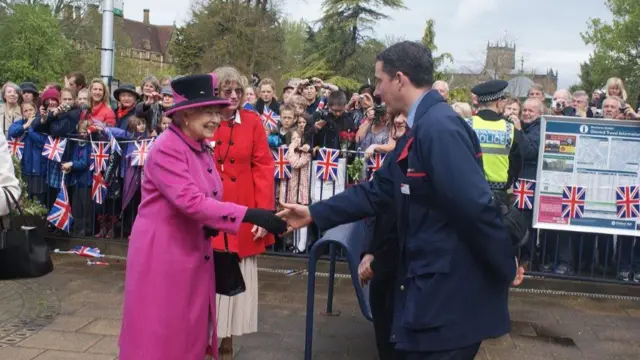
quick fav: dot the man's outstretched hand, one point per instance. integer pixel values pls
(297, 216)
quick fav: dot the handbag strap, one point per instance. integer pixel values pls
(9, 198)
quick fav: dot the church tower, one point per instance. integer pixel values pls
(500, 59)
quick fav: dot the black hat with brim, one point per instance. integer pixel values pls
(29, 87)
(195, 91)
(489, 91)
(126, 88)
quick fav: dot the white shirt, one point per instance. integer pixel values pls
(8, 179)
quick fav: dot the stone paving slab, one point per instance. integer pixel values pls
(75, 313)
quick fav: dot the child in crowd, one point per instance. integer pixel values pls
(67, 98)
(34, 165)
(83, 99)
(299, 102)
(296, 190)
(287, 122)
(137, 127)
(79, 180)
(164, 125)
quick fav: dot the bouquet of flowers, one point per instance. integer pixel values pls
(346, 139)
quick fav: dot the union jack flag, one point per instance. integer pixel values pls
(99, 155)
(628, 202)
(60, 214)
(139, 155)
(270, 119)
(54, 148)
(322, 103)
(16, 146)
(524, 191)
(283, 166)
(99, 188)
(573, 200)
(327, 165)
(374, 163)
(87, 251)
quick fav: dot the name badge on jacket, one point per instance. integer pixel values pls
(404, 188)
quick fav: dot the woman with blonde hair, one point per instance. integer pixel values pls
(10, 108)
(99, 103)
(246, 165)
(615, 87)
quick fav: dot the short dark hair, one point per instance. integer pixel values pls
(337, 98)
(410, 58)
(367, 88)
(80, 79)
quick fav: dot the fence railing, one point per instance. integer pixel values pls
(306, 178)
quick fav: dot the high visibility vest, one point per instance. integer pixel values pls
(496, 139)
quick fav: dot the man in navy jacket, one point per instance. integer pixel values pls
(456, 260)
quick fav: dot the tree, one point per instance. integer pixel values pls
(346, 23)
(234, 33)
(33, 45)
(295, 38)
(429, 40)
(55, 6)
(617, 49)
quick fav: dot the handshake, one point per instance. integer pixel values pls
(292, 217)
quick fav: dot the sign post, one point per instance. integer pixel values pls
(118, 6)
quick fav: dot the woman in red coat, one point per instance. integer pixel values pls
(246, 167)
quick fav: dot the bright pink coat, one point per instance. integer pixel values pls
(169, 286)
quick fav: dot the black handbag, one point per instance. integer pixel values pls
(229, 279)
(23, 251)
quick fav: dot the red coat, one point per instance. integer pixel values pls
(246, 168)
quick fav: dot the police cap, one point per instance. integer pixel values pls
(490, 91)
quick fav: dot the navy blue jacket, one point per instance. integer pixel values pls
(33, 163)
(81, 159)
(529, 142)
(456, 261)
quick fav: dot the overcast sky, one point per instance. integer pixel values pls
(547, 32)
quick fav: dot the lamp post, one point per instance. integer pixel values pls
(106, 61)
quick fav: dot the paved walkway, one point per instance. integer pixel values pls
(75, 313)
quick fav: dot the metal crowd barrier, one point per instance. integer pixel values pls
(565, 255)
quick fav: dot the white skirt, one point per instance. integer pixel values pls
(237, 315)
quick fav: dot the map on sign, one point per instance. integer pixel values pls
(588, 177)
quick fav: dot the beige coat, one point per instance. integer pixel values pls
(8, 117)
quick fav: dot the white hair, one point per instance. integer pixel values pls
(443, 83)
(540, 105)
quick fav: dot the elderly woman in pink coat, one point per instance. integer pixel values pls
(170, 296)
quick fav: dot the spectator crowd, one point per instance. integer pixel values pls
(92, 141)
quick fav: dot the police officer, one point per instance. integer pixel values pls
(498, 137)
(455, 261)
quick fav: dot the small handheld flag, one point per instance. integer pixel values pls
(60, 214)
(16, 146)
(54, 148)
(270, 119)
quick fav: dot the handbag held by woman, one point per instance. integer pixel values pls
(23, 251)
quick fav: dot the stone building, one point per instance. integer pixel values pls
(500, 63)
(144, 43)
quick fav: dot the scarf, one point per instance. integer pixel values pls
(122, 112)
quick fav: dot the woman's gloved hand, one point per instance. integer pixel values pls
(265, 219)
